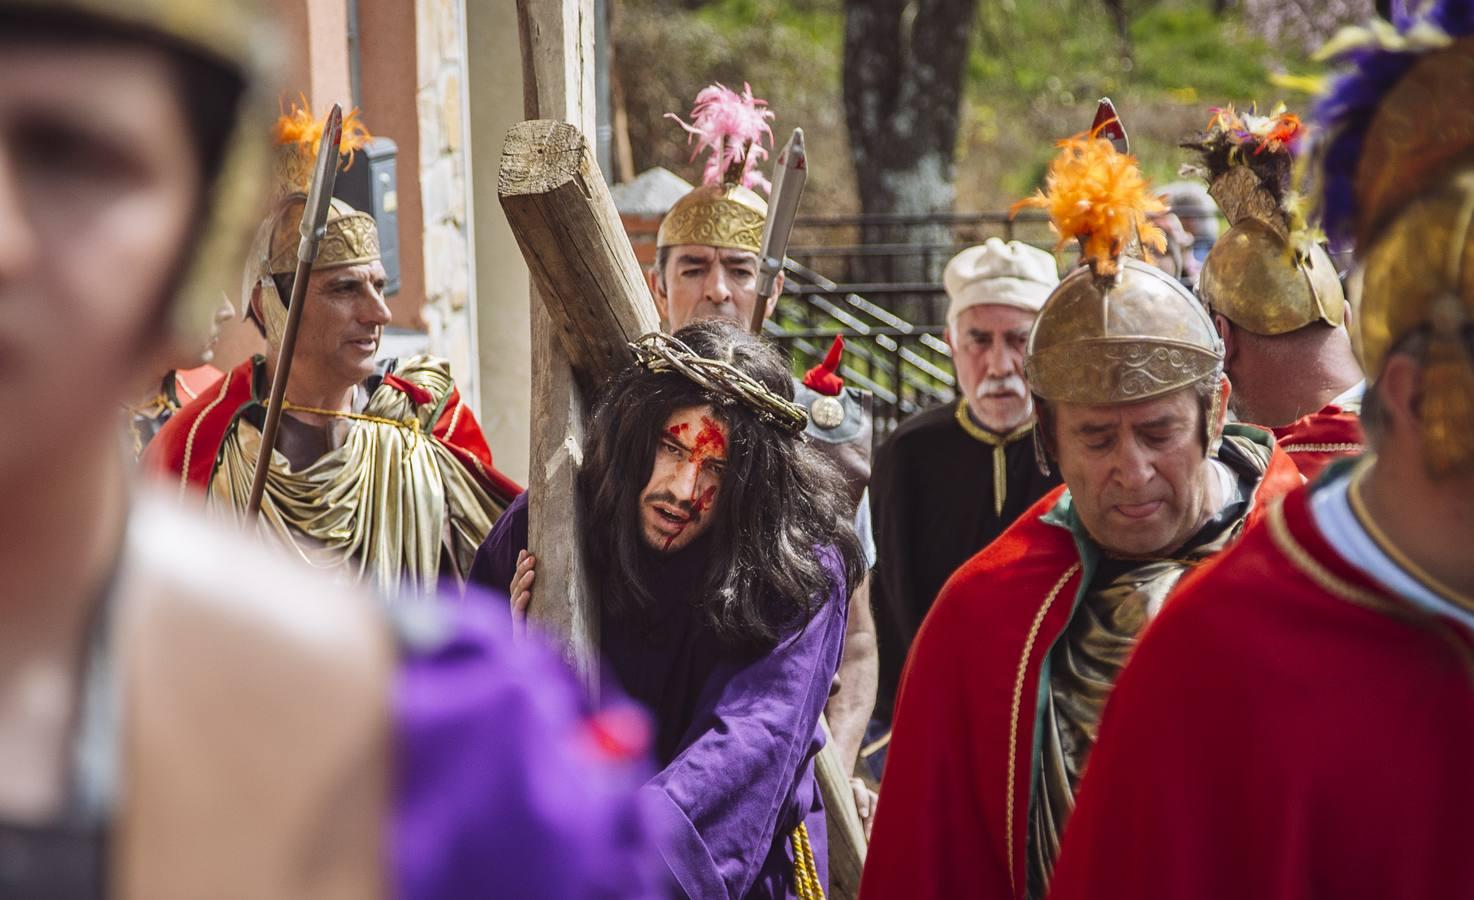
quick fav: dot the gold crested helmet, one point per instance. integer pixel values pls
(350, 238)
(239, 36)
(726, 215)
(1117, 329)
(726, 210)
(1397, 177)
(1268, 273)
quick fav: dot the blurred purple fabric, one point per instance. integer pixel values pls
(506, 783)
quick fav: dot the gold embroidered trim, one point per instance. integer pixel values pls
(1385, 543)
(195, 426)
(1018, 698)
(455, 419)
(1300, 558)
(998, 442)
(1310, 567)
(1322, 448)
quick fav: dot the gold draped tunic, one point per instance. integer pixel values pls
(387, 505)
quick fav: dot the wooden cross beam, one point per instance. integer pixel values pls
(576, 248)
(586, 276)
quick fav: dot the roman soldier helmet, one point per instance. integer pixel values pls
(725, 211)
(1397, 177)
(1268, 273)
(238, 36)
(1117, 329)
(351, 237)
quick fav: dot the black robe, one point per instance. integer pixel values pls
(932, 502)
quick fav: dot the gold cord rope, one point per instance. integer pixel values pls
(195, 427)
(410, 422)
(805, 871)
(1310, 567)
(1326, 580)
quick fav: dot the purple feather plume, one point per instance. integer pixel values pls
(1347, 109)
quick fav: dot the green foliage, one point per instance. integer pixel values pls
(1035, 71)
(817, 23)
(1038, 66)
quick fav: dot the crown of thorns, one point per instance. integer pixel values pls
(659, 352)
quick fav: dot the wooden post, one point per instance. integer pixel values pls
(847, 842)
(557, 40)
(590, 303)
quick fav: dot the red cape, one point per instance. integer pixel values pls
(953, 815)
(1319, 439)
(190, 383)
(1273, 738)
(187, 448)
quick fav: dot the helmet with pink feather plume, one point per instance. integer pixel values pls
(725, 211)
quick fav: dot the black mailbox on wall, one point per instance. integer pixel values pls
(369, 185)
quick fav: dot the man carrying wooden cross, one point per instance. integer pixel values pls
(707, 267)
(721, 558)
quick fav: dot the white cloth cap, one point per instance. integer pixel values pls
(1012, 274)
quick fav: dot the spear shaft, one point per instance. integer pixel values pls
(314, 224)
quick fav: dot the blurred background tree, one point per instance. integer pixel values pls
(940, 105)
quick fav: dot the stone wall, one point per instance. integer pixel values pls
(448, 314)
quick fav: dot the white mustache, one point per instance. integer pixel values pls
(1008, 384)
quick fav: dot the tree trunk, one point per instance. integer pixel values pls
(903, 69)
(1120, 19)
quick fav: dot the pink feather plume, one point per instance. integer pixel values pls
(731, 126)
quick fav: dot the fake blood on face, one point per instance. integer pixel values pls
(711, 442)
(699, 506)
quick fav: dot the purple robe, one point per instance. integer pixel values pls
(736, 732)
(506, 783)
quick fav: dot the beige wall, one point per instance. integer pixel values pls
(503, 329)
(317, 30)
(387, 70)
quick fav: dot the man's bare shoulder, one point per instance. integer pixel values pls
(211, 595)
(252, 685)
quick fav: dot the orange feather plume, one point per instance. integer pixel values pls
(299, 133)
(1097, 195)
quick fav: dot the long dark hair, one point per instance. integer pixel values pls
(782, 503)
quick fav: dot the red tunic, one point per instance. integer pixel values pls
(1285, 730)
(188, 447)
(953, 815)
(1319, 439)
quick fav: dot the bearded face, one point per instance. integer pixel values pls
(988, 345)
